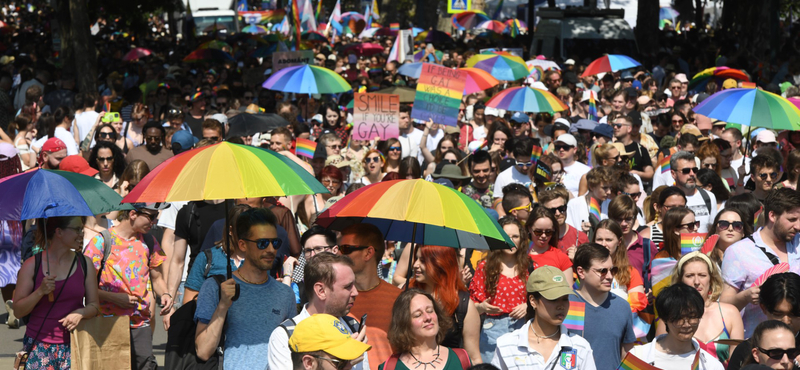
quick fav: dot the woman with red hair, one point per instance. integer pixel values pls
(332, 178)
(437, 272)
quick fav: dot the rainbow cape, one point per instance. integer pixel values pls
(576, 316)
(631, 362)
(691, 242)
(664, 164)
(305, 148)
(594, 208)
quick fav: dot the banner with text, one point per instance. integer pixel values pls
(283, 59)
(439, 92)
(376, 115)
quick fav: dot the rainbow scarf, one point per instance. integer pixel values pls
(592, 107)
(576, 316)
(594, 208)
(631, 362)
(664, 164)
(691, 242)
(305, 148)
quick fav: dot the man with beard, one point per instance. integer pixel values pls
(330, 286)
(153, 151)
(702, 203)
(53, 152)
(746, 260)
(481, 188)
(262, 302)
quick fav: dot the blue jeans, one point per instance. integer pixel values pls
(494, 327)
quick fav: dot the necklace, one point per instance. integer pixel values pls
(241, 276)
(424, 365)
(539, 337)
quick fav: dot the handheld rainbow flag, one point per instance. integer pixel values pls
(592, 115)
(777, 269)
(536, 154)
(691, 242)
(319, 9)
(497, 10)
(664, 164)
(296, 19)
(594, 208)
(631, 362)
(394, 26)
(696, 361)
(305, 148)
(576, 316)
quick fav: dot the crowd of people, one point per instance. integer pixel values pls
(595, 199)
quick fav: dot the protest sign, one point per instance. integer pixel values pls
(439, 92)
(376, 115)
(283, 59)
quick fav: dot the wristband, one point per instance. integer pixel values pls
(170, 295)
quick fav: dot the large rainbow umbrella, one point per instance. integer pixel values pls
(208, 55)
(421, 212)
(526, 99)
(418, 54)
(501, 65)
(469, 19)
(51, 193)
(610, 63)
(492, 25)
(719, 74)
(307, 79)
(751, 107)
(224, 171)
(255, 29)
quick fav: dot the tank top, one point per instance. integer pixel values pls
(70, 300)
(656, 235)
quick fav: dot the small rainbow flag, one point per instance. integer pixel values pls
(592, 115)
(575, 316)
(631, 362)
(305, 148)
(594, 208)
(536, 154)
(394, 26)
(691, 242)
(696, 361)
(664, 164)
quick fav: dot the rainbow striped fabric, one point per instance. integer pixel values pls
(594, 208)
(696, 361)
(394, 26)
(305, 148)
(576, 316)
(691, 242)
(536, 154)
(631, 362)
(592, 107)
(664, 164)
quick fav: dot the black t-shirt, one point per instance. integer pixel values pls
(196, 124)
(640, 158)
(193, 222)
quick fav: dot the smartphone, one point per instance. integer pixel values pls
(363, 321)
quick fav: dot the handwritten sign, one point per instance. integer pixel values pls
(439, 92)
(376, 115)
(283, 59)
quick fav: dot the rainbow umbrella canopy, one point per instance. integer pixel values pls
(526, 99)
(610, 63)
(718, 74)
(224, 171)
(751, 107)
(501, 65)
(469, 19)
(492, 25)
(255, 29)
(307, 79)
(208, 55)
(421, 212)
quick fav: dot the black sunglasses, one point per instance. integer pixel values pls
(738, 226)
(686, 170)
(562, 209)
(265, 242)
(691, 225)
(605, 271)
(106, 135)
(539, 232)
(777, 353)
(347, 248)
(339, 364)
(634, 196)
(562, 147)
(773, 175)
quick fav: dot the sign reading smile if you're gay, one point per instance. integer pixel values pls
(439, 92)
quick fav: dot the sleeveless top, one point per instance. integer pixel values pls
(70, 300)
(656, 235)
(721, 352)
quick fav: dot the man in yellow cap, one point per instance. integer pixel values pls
(323, 342)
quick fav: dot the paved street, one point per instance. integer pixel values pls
(11, 342)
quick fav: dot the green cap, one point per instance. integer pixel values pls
(549, 282)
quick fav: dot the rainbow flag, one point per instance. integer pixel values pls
(592, 107)
(394, 26)
(691, 242)
(536, 154)
(296, 19)
(660, 273)
(319, 9)
(575, 316)
(631, 362)
(637, 300)
(497, 10)
(696, 361)
(664, 164)
(305, 148)
(594, 208)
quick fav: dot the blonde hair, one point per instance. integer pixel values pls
(715, 284)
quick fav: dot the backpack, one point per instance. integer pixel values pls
(706, 199)
(288, 325)
(148, 240)
(462, 355)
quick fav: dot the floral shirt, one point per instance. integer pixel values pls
(126, 272)
(510, 291)
(484, 197)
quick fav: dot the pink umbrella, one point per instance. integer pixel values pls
(136, 53)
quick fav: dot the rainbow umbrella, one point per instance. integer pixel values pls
(208, 55)
(307, 79)
(421, 212)
(469, 19)
(433, 37)
(751, 107)
(478, 80)
(526, 99)
(545, 65)
(502, 66)
(137, 53)
(610, 63)
(492, 25)
(516, 26)
(313, 36)
(224, 171)
(719, 74)
(418, 54)
(347, 16)
(255, 29)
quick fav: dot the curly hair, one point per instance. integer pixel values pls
(443, 273)
(493, 265)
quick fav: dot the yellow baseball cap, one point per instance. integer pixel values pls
(323, 332)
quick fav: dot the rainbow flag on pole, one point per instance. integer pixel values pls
(536, 154)
(305, 148)
(691, 242)
(575, 316)
(664, 164)
(594, 208)
(296, 19)
(592, 115)
(631, 362)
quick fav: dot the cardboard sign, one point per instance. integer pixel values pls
(283, 59)
(376, 115)
(439, 92)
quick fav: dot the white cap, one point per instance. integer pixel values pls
(567, 139)
(489, 111)
(765, 137)
(564, 122)
(569, 62)
(318, 118)
(223, 119)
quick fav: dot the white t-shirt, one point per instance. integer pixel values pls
(578, 211)
(65, 136)
(85, 121)
(167, 219)
(701, 213)
(572, 177)
(410, 142)
(666, 362)
(509, 176)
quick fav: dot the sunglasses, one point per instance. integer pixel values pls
(347, 248)
(339, 364)
(777, 353)
(634, 196)
(691, 226)
(212, 138)
(539, 232)
(150, 218)
(450, 161)
(561, 209)
(602, 272)
(524, 164)
(618, 125)
(677, 121)
(560, 147)
(174, 111)
(247, 97)
(106, 135)
(773, 175)
(687, 170)
(265, 242)
(105, 159)
(335, 146)
(397, 148)
(372, 159)
(522, 208)
(738, 226)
